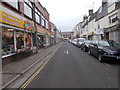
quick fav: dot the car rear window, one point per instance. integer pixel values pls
(103, 43)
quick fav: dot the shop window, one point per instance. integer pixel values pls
(28, 40)
(7, 42)
(13, 3)
(20, 40)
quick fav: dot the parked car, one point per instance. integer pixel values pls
(70, 41)
(74, 42)
(105, 50)
(80, 41)
(85, 45)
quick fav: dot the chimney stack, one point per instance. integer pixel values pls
(104, 2)
(90, 12)
(85, 17)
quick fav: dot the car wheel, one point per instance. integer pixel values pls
(89, 52)
(100, 58)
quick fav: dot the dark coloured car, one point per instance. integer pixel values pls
(105, 50)
(85, 45)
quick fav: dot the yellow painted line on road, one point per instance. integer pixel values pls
(38, 71)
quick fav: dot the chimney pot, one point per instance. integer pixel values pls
(90, 12)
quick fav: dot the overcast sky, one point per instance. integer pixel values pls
(65, 14)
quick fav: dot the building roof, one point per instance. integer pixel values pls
(102, 11)
(117, 5)
(92, 16)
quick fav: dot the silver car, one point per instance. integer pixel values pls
(80, 41)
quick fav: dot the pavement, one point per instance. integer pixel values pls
(16, 73)
(71, 67)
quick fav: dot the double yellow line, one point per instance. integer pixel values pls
(38, 71)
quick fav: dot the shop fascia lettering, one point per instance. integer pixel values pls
(11, 18)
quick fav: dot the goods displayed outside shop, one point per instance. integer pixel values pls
(17, 33)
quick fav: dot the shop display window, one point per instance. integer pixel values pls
(19, 40)
(28, 40)
(15, 42)
(7, 41)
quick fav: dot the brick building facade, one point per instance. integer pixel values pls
(25, 25)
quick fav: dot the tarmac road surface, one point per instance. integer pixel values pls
(72, 68)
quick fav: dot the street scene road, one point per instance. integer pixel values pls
(72, 68)
(44, 45)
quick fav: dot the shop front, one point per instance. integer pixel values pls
(41, 37)
(98, 34)
(47, 38)
(15, 41)
(52, 40)
(113, 33)
(90, 36)
(16, 33)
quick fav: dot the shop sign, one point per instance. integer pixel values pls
(40, 31)
(11, 20)
(29, 25)
(112, 28)
(99, 31)
(91, 33)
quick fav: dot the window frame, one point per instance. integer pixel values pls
(37, 12)
(43, 21)
(47, 24)
(31, 7)
(11, 6)
(113, 18)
